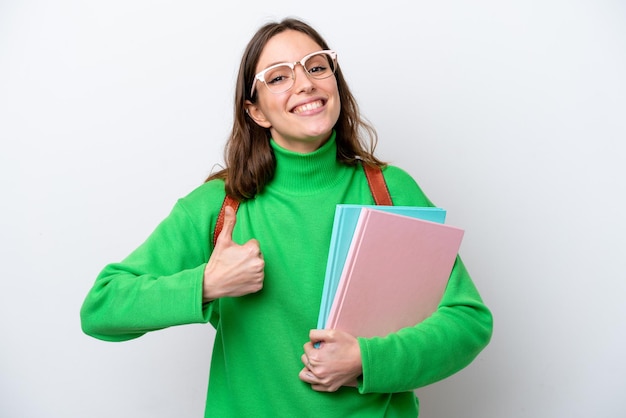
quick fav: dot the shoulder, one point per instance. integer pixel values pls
(207, 197)
(397, 174)
(213, 189)
(403, 188)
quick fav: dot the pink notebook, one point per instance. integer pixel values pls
(395, 274)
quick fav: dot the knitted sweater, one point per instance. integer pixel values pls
(259, 337)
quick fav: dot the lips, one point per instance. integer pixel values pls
(307, 107)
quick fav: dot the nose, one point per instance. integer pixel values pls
(302, 80)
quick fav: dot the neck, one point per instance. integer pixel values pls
(305, 173)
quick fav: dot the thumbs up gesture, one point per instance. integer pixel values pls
(233, 269)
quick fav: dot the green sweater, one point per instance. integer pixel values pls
(259, 337)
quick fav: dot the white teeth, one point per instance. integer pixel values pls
(308, 106)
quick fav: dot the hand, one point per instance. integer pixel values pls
(233, 269)
(336, 363)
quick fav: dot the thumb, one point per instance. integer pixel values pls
(318, 335)
(230, 218)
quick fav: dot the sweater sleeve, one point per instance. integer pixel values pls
(437, 347)
(157, 286)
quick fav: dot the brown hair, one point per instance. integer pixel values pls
(250, 161)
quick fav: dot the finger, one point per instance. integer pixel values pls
(307, 376)
(306, 361)
(230, 218)
(255, 255)
(253, 247)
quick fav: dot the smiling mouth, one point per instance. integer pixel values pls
(308, 106)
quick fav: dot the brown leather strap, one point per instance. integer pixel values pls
(219, 224)
(378, 185)
(375, 180)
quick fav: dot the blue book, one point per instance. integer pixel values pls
(346, 217)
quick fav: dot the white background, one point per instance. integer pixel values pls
(510, 114)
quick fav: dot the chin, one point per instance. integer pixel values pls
(320, 132)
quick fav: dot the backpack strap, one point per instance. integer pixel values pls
(378, 185)
(375, 180)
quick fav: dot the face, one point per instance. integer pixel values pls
(302, 118)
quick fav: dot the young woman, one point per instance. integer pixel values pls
(297, 149)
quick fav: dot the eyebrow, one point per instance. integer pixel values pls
(288, 62)
(277, 62)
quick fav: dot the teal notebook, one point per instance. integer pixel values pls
(346, 217)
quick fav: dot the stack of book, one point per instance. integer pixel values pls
(388, 267)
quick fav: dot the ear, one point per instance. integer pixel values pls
(257, 115)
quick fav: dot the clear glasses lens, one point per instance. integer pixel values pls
(320, 65)
(280, 78)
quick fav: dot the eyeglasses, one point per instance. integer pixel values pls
(279, 78)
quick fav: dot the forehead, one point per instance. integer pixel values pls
(287, 46)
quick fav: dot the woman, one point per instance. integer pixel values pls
(293, 154)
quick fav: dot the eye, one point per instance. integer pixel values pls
(276, 79)
(318, 69)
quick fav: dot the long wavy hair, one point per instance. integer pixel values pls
(250, 161)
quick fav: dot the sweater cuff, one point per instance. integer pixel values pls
(364, 383)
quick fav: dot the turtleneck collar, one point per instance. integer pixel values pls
(306, 174)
